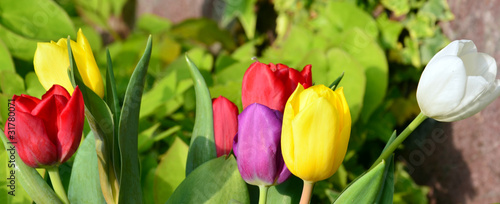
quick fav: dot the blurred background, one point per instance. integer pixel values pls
(381, 45)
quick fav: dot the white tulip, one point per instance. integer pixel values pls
(457, 83)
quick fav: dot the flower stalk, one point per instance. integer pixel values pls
(57, 184)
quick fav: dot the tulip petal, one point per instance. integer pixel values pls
(70, 126)
(86, 63)
(258, 141)
(33, 144)
(307, 74)
(260, 85)
(480, 64)
(56, 90)
(49, 110)
(316, 122)
(51, 65)
(25, 103)
(225, 124)
(342, 139)
(442, 86)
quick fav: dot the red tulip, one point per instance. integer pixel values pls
(47, 132)
(225, 124)
(271, 85)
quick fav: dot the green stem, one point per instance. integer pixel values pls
(263, 194)
(394, 145)
(57, 184)
(306, 192)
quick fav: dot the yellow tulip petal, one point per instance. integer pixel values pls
(86, 64)
(314, 130)
(51, 64)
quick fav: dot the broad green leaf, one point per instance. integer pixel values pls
(33, 86)
(231, 90)
(244, 11)
(6, 62)
(11, 83)
(18, 195)
(216, 181)
(430, 46)
(245, 51)
(84, 185)
(354, 81)
(291, 49)
(364, 189)
(205, 31)
(145, 138)
(170, 171)
(390, 31)
(368, 53)
(233, 73)
(399, 7)
(153, 24)
(346, 16)
(97, 11)
(286, 192)
(130, 178)
(163, 90)
(202, 145)
(18, 45)
(101, 122)
(439, 8)
(421, 25)
(30, 179)
(36, 19)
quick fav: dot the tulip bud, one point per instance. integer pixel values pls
(316, 131)
(225, 124)
(257, 146)
(51, 64)
(457, 83)
(271, 85)
(48, 131)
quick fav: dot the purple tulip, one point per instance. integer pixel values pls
(257, 146)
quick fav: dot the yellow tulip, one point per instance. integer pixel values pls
(315, 133)
(51, 64)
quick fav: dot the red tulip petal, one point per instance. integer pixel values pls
(25, 103)
(70, 125)
(33, 144)
(56, 90)
(48, 110)
(225, 124)
(260, 85)
(306, 73)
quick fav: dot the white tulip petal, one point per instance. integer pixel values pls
(441, 86)
(466, 47)
(480, 64)
(477, 105)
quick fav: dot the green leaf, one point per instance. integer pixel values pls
(163, 91)
(368, 53)
(202, 145)
(130, 178)
(36, 19)
(153, 24)
(33, 86)
(11, 83)
(20, 196)
(6, 62)
(364, 189)
(354, 81)
(113, 102)
(386, 192)
(205, 31)
(346, 16)
(244, 11)
(84, 184)
(18, 45)
(216, 181)
(399, 7)
(101, 122)
(170, 171)
(286, 192)
(29, 178)
(390, 31)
